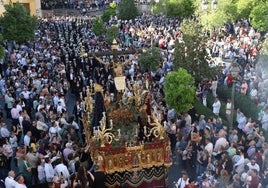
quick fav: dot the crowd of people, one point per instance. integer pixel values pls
(41, 133)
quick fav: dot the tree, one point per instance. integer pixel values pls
(112, 33)
(180, 8)
(2, 50)
(110, 12)
(98, 27)
(218, 14)
(128, 10)
(179, 90)
(18, 25)
(245, 7)
(150, 60)
(158, 7)
(259, 16)
(191, 53)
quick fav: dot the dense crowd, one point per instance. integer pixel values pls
(44, 142)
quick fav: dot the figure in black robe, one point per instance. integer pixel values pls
(98, 109)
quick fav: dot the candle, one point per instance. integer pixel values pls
(136, 131)
(145, 130)
(95, 131)
(119, 133)
(165, 124)
(111, 123)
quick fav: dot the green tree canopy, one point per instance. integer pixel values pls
(180, 8)
(98, 27)
(159, 7)
(216, 15)
(150, 60)
(112, 33)
(111, 11)
(191, 53)
(179, 90)
(128, 10)
(18, 25)
(259, 16)
(245, 7)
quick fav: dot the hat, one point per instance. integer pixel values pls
(68, 144)
(208, 127)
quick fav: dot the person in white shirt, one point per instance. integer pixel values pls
(40, 125)
(221, 142)
(209, 146)
(228, 111)
(216, 106)
(4, 132)
(61, 169)
(20, 180)
(253, 165)
(49, 171)
(183, 181)
(27, 138)
(41, 171)
(9, 181)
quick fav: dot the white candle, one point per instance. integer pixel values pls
(145, 130)
(165, 124)
(136, 131)
(119, 133)
(111, 122)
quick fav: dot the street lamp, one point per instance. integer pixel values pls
(234, 72)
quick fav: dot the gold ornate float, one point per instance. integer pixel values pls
(118, 146)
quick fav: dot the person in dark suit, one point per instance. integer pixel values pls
(99, 177)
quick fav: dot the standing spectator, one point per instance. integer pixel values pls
(20, 180)
(49, 171)
(255, 180)
(213, 87)
(27, 139)
(4, 132)
(9, 181)
(183, 181)
(216, 106)
(68, 150)
(264, 121)
(244, 87)
(25, 169)
(228, 111)
(41, 171)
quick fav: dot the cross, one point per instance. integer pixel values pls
(115, 53)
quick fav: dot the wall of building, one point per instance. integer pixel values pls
(34, 6)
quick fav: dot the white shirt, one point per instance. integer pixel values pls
(221, 142)
(62, 168)
(21, 186)
(216, 107)
(49, 171)
(27, 140)
(182, 183)
(4, 132)
(228, 108)
(255, 166)
(41, 172)
(10, 182)
(209, 148)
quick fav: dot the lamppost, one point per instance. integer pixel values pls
(234, 72)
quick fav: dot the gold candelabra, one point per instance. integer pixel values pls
(104, 134)
(157, 130)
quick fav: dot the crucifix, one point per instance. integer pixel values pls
(117, 67)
